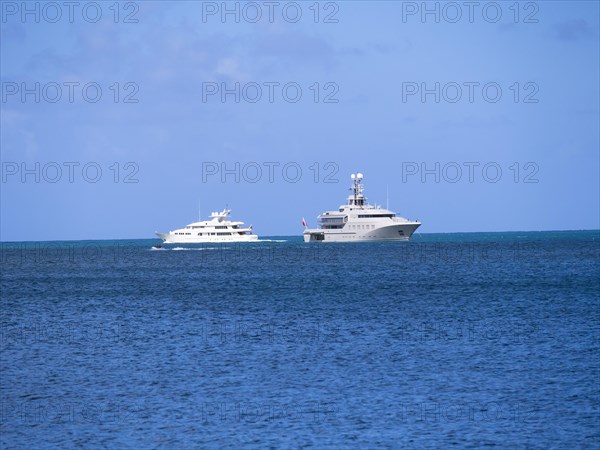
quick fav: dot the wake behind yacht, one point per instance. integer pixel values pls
(218, 229)
(358, 221)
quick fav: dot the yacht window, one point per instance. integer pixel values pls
(370, 216)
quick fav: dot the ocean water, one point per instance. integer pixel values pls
(450, 340)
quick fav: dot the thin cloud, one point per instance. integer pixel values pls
(573, 30)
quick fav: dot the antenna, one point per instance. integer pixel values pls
(387, 196)
(199, 209)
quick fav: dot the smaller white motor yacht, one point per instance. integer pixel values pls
(218, 229)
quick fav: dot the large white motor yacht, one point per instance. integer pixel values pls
(357, 221)
(218, 229)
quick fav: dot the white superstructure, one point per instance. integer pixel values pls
(218, 229)
(357, 221)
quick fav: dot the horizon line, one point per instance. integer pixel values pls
(300, 235)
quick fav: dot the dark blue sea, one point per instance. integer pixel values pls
(450, 340)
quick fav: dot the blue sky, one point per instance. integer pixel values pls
(545, 140)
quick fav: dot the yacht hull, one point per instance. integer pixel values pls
(394, 232)
(169, 238)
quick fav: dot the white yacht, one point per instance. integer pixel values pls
(218, 229)
(357, 221)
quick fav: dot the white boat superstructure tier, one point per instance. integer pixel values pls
(218, 229)
(358, 221)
